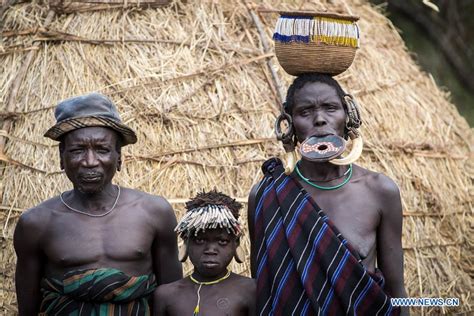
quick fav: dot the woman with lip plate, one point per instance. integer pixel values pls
(211, 233)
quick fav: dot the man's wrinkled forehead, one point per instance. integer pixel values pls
(97, 135)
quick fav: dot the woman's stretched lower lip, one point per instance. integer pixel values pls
(320, 135)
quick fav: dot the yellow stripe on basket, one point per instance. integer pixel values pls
(336, 40)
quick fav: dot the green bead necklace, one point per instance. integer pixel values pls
(349, 176)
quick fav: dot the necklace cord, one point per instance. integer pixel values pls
(196, 309)
(335, 178)
(89, 214)
(346, 180)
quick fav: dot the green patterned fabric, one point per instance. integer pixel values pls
(97, 292)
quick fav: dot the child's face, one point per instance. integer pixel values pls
(211, 251)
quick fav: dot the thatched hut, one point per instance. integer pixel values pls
(193, 79)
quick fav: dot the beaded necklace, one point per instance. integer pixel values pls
(196, 309)
(349, 176)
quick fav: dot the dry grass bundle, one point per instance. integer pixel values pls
(192, 79)
(74, 6)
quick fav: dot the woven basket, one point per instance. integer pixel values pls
(316, 42)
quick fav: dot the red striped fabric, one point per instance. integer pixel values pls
(304, 265)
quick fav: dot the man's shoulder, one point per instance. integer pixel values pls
(150, 202)
(34, 221)
(39, 214)
(154, 209)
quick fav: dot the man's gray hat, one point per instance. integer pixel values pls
(86, 111)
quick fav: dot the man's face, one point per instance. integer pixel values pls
(90, 158)
(211, 251)
(318, 110)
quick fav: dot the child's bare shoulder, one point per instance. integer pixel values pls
(246, 289)
(170, 290)
(245, 282)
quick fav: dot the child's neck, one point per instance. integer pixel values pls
(214, 278)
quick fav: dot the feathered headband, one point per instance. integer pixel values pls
(208, 217)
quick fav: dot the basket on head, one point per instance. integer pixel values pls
(315, 42)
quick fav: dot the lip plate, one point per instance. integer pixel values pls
(338, 145)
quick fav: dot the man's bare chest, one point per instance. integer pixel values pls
(76, 240)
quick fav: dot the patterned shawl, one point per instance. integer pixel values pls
(304, 265)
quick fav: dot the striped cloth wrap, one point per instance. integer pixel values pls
(304, 265)
(97, 292)
(318, 29)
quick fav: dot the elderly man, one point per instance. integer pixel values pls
(98, 249)
(326, 238)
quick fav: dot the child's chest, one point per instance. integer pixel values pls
(213, 302)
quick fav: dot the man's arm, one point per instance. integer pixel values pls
(389, 243)
(30, 264)
(250, 222)
(166, 265)
(159, 301)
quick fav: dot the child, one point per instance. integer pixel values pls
(211, 231)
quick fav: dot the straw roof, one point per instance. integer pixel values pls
(193, 80)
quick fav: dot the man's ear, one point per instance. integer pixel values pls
(61, 155)
(118, 148)
(119, 163)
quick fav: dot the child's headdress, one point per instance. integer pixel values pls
(209, 210)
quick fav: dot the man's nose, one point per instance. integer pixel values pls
(90, 160)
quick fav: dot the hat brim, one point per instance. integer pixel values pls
(69, 125)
